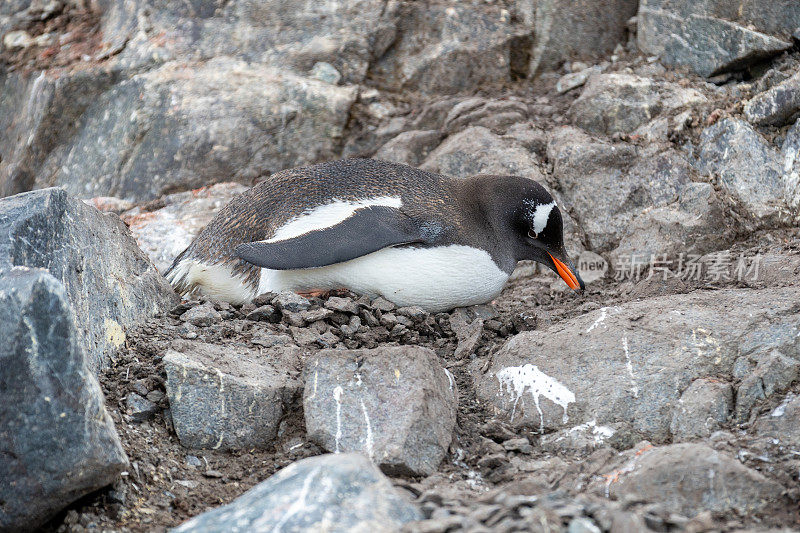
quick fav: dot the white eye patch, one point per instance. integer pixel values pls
(540, 216)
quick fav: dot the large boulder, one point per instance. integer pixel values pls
(476, 150)
(652, 350)
(397, 405)
(746, 166)
(108, 280)
(607, 185)
(565, 30)
(613, 103)
(230, 398)
(335, 492)
(715, 37)
(183, 127)
(449, 49)
(57, 441)
(291, 35)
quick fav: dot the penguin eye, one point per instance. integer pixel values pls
(532, 234)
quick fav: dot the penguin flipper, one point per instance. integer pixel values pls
(368, 230)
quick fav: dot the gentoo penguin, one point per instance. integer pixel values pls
(376, 228)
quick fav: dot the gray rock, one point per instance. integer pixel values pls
(701, 409)
(615, 102)
(265, 313)
(341, 305)
(573, 80)
(790, 159)
(231, 397)
(444, 49)
(691, 478)
(773, 373)
(410, 147)
(325, 72)
(395, 404)
(202, 315)
(164, 233)
(57, 441)
(189, 126)
(476, 150)
(681, 33)
(776, 105)
(782, 423)
(569, 29)
(495, 115)
(346, 35)
(696, 224)
(291, 302)
(607, 185)
(342, 492)
(652, 350)
(746, 166)
(139, 408)
(91, 254)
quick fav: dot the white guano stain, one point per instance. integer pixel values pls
(599, 433)
(368, 441)
(629, 365)
(600, 319)
(517, 379)
(450, 378)
(337, 395)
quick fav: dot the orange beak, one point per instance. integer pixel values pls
(566, 274)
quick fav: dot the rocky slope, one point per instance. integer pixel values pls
(666, 398)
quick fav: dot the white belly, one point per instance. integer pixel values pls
(436, 279)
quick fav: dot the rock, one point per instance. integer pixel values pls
(581, 439)
(396, 404)
(613, 103)
(607, 185)
(496, 115)
(291, 302)
(342, 492)
(566, 29)
(476, 150)
(448, 49)
(57, 441)
(346, 35)
(91, 254)
(701, 409)
(229, 398)
(746, 166)
(139, 408)
(202, 315)
(773, 373)
(326, 72)
(17, 39)
(684, 33)
(652, 349)
(341, 305)
(410, 147)
(695, 224)
(214, 133)
(573, 80)
(790, 157)
(165, 232)
(468, 332)
(691, 478)
(264, 313)
(776, 105)
(782, 423)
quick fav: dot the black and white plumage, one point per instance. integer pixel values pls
(377, 228)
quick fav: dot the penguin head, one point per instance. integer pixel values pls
(536, 230)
